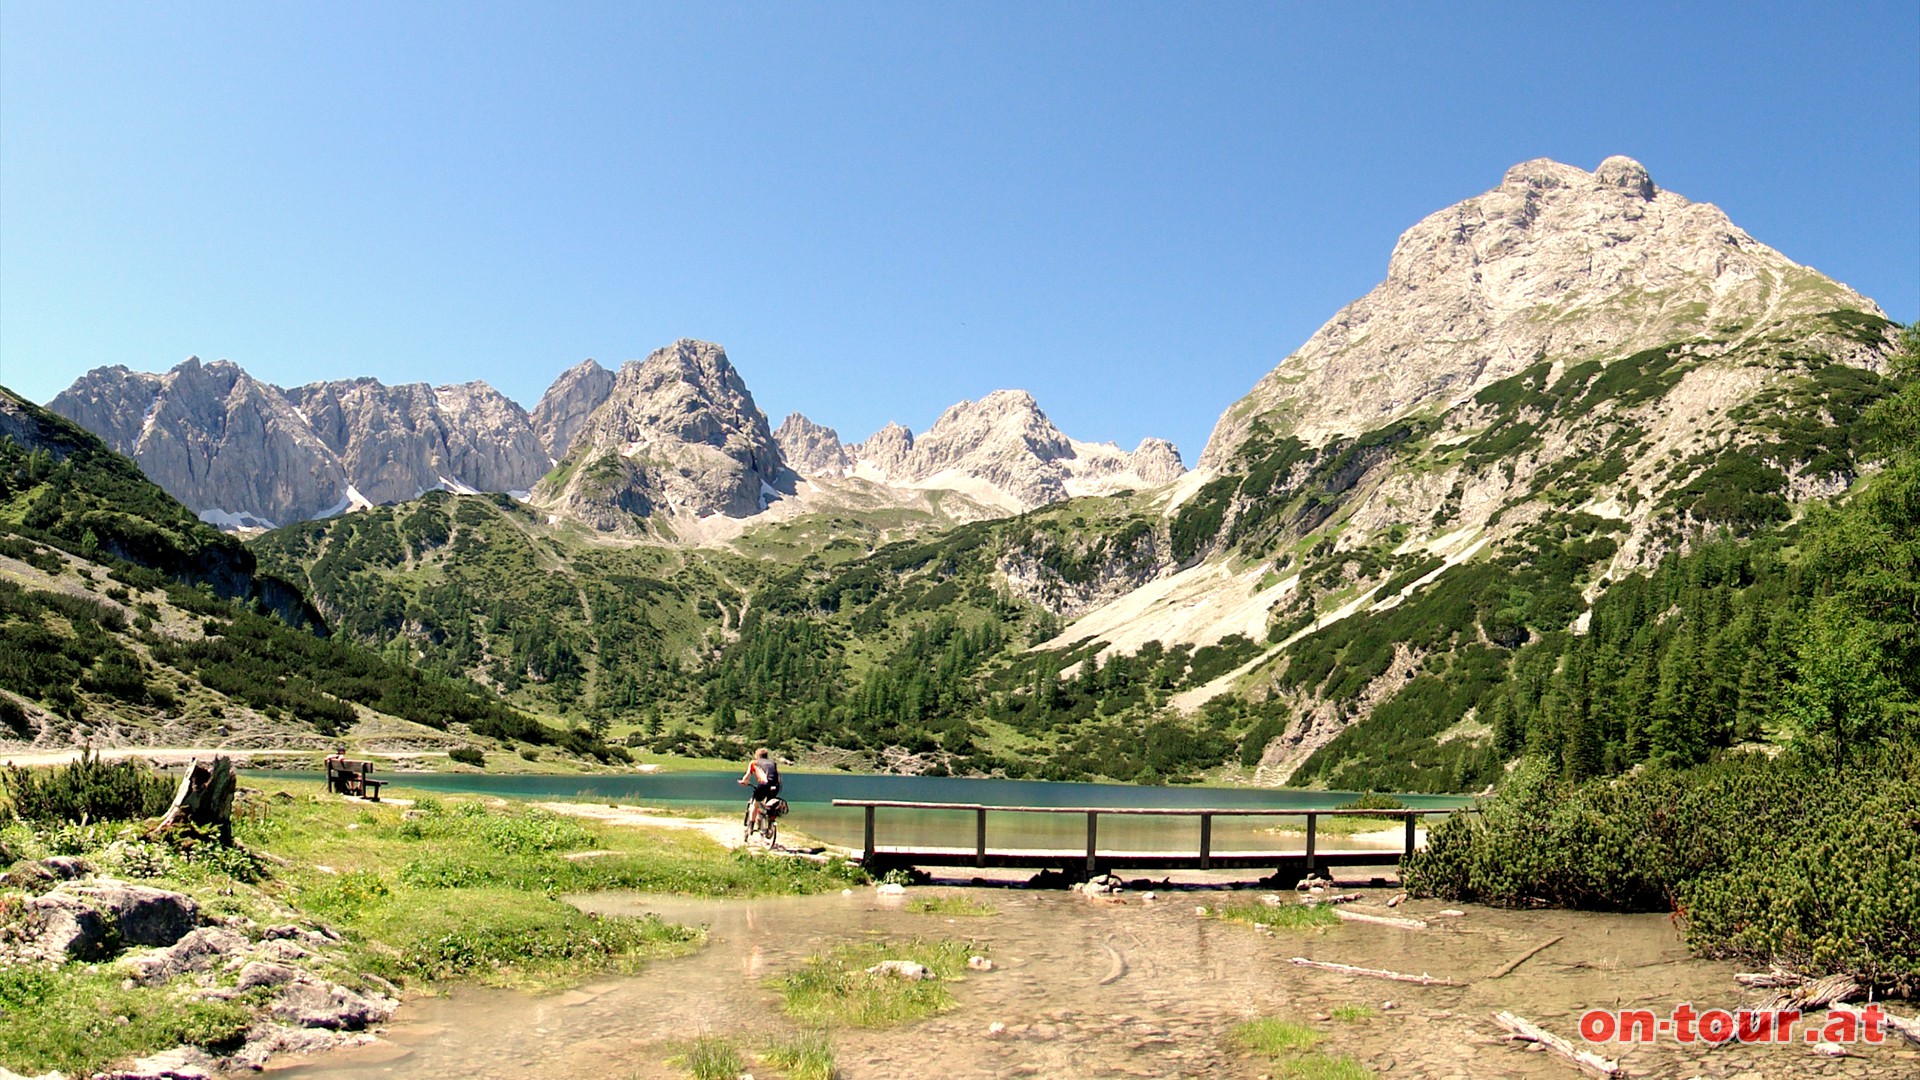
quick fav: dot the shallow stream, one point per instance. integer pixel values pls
(1093, 988)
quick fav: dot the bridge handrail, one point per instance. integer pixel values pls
(1170, 811)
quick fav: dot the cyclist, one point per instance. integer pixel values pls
(763, 773)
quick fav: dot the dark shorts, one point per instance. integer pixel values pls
(763, 792)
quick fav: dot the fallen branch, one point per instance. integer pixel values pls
(1908, 1029)
(1817, 994)
(1383, 920)
(1376, 973)
(1585, 1060)
(1507, 968)
(1768, 980)
(1343, 898)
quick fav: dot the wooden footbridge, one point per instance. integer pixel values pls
(1094, 860)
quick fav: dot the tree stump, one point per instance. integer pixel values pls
(204, 800)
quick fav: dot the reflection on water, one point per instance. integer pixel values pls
(1094, 989)
(812, 794)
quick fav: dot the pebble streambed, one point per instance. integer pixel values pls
(1095, 988)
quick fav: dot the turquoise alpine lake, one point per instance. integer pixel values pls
(811, 796)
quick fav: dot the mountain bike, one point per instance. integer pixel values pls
(766, 824)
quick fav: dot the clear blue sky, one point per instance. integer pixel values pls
(1132, 210)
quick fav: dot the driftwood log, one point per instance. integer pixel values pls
(1374, 973)
(204, 800)
(1508, 967)
(1768, 980)
(1814, 994)
(1381, 920)
(1585, 1060)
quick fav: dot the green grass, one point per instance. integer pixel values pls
(952, 905)
(78, 1019)
(1287, 916)
(710, 1057)
(1354, 1013)
(835, 987)
(806, 1056)
(1290, 1044)
(1318, 1066)
(1272, 1037)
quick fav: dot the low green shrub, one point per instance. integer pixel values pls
(1767, 859)
(468, 755)
(87, 790)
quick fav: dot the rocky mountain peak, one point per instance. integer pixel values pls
(1556, 262)
(811, 449)
(1002, 450)
(1157, 461)
(678, 433)
(564, 408)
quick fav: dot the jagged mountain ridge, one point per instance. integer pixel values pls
(244, 453)
(676, 434)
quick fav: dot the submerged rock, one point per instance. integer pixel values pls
(901, 969)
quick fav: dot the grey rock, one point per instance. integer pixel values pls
(1003, 449)
(267, 1039)
(1555, 262)
(811, 449)
(309, 1002)
(265, 973)
(679, 434)
(86, 921)
(243, 453)
(179, 1063)
(142, 915)
(60, 927)
(563, 410)
(197, 951)
(40, 875)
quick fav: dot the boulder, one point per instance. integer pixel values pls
(60, 927)
(87, 922)
(265, 973)
(198, 951)
(311, 1003)
(179, 1063)
(141, 914)
(43, 874)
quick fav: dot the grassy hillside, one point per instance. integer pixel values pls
(124, 619)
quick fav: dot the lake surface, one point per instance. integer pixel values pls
(812, 794)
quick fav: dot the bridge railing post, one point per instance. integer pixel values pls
(980, 837)
(1093, 835)
(1410, 820)
(1206, 841)
(867, 860)
(1311, 818)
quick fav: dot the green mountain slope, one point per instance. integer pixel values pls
(123, 619)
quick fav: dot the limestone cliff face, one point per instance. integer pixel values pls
(394, 442)
(678, 434)
(811, 449)
(233, 449)
(564, 408)
(1555, 263)
(1003, 449)
(243, 453)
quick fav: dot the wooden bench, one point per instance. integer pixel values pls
(348, 777)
